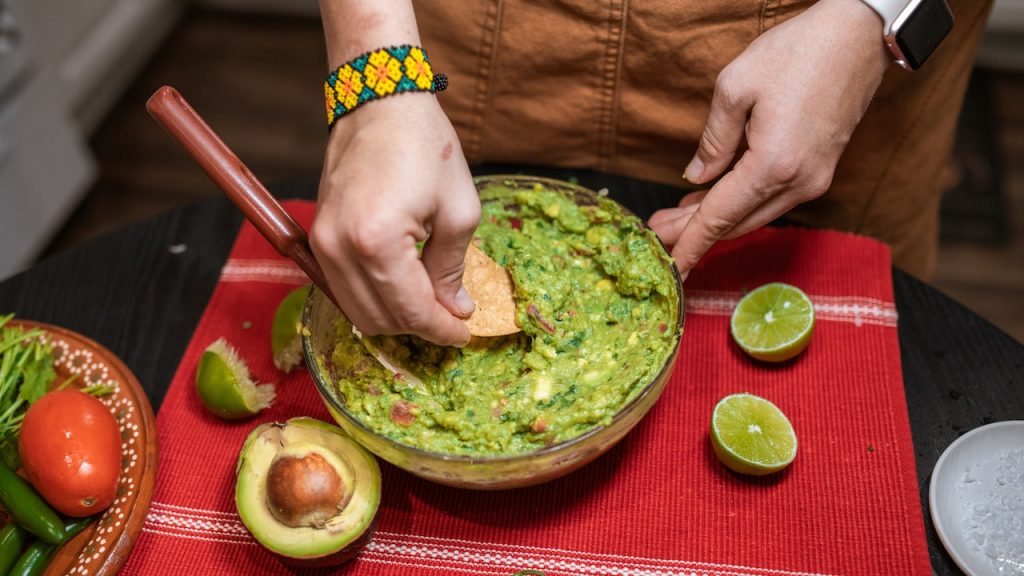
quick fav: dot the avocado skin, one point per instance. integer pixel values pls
(336, 559)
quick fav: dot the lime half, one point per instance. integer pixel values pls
(773, 322)
(751, 435)
(224, 385)
(285, 340)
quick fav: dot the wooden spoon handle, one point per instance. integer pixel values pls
(171, 110)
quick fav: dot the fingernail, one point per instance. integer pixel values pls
(464, 302)
(694, 170)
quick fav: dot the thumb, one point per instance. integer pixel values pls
(445, 252)
(723, 133)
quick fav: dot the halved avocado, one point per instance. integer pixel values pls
(307, 491)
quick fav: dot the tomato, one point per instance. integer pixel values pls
(70, 450)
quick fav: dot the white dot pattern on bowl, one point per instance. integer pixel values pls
(95, 371)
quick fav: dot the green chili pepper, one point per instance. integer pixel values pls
(28, 508)
(12, 540)
(34, 560)
(37, 557)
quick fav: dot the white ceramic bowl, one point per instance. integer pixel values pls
(965, 478)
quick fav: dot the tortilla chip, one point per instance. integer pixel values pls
(490, 286)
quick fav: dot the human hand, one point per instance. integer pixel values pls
(394, 175)
(794, 96)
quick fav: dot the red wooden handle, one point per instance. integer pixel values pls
(171, 110)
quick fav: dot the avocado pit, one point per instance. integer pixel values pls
(305, 489)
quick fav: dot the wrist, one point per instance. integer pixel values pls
(865, 25)
(354, 27)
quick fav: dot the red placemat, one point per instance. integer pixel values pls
(659, 502)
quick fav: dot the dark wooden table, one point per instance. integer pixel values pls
(140, 292)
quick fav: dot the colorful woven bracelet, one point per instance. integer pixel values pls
(377, 74)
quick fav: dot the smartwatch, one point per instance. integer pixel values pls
(913, 28)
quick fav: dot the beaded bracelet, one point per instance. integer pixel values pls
(377, 74)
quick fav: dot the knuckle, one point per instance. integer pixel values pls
(366, 238)
(711, 144)
(323, 238)
(452, 275)
(466, 218)
(415, 322)
(728, 92)
(819, 183)
(714, 226)
(784, 169)
(803, 174)
(447, 276)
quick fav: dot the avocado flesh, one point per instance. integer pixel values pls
(343, 529)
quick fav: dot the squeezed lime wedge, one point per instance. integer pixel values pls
(285, 332)
(224, 385)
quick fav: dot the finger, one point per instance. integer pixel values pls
(728, 202)
(661, 216)
(692, 198)
(361, 304)
(763, 215)
(665, 214)
(670, 222)
(445, 251)
(772, 209)
(377, 277)
(348, 281)
(727, 119)
(406, 290)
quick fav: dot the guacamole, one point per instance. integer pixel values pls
(597, 301)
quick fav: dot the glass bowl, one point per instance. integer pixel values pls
(482, 472)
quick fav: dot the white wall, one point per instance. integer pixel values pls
(67, 65)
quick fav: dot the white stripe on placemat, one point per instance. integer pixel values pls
(476, 570)
(857, 310)
(191, 523)
(451, 554)
(424, 548)
(195, 512)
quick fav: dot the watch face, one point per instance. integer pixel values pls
(922, 31)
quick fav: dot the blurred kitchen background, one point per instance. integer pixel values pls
(79, 155)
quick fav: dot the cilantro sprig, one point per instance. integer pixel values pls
(26, 373)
